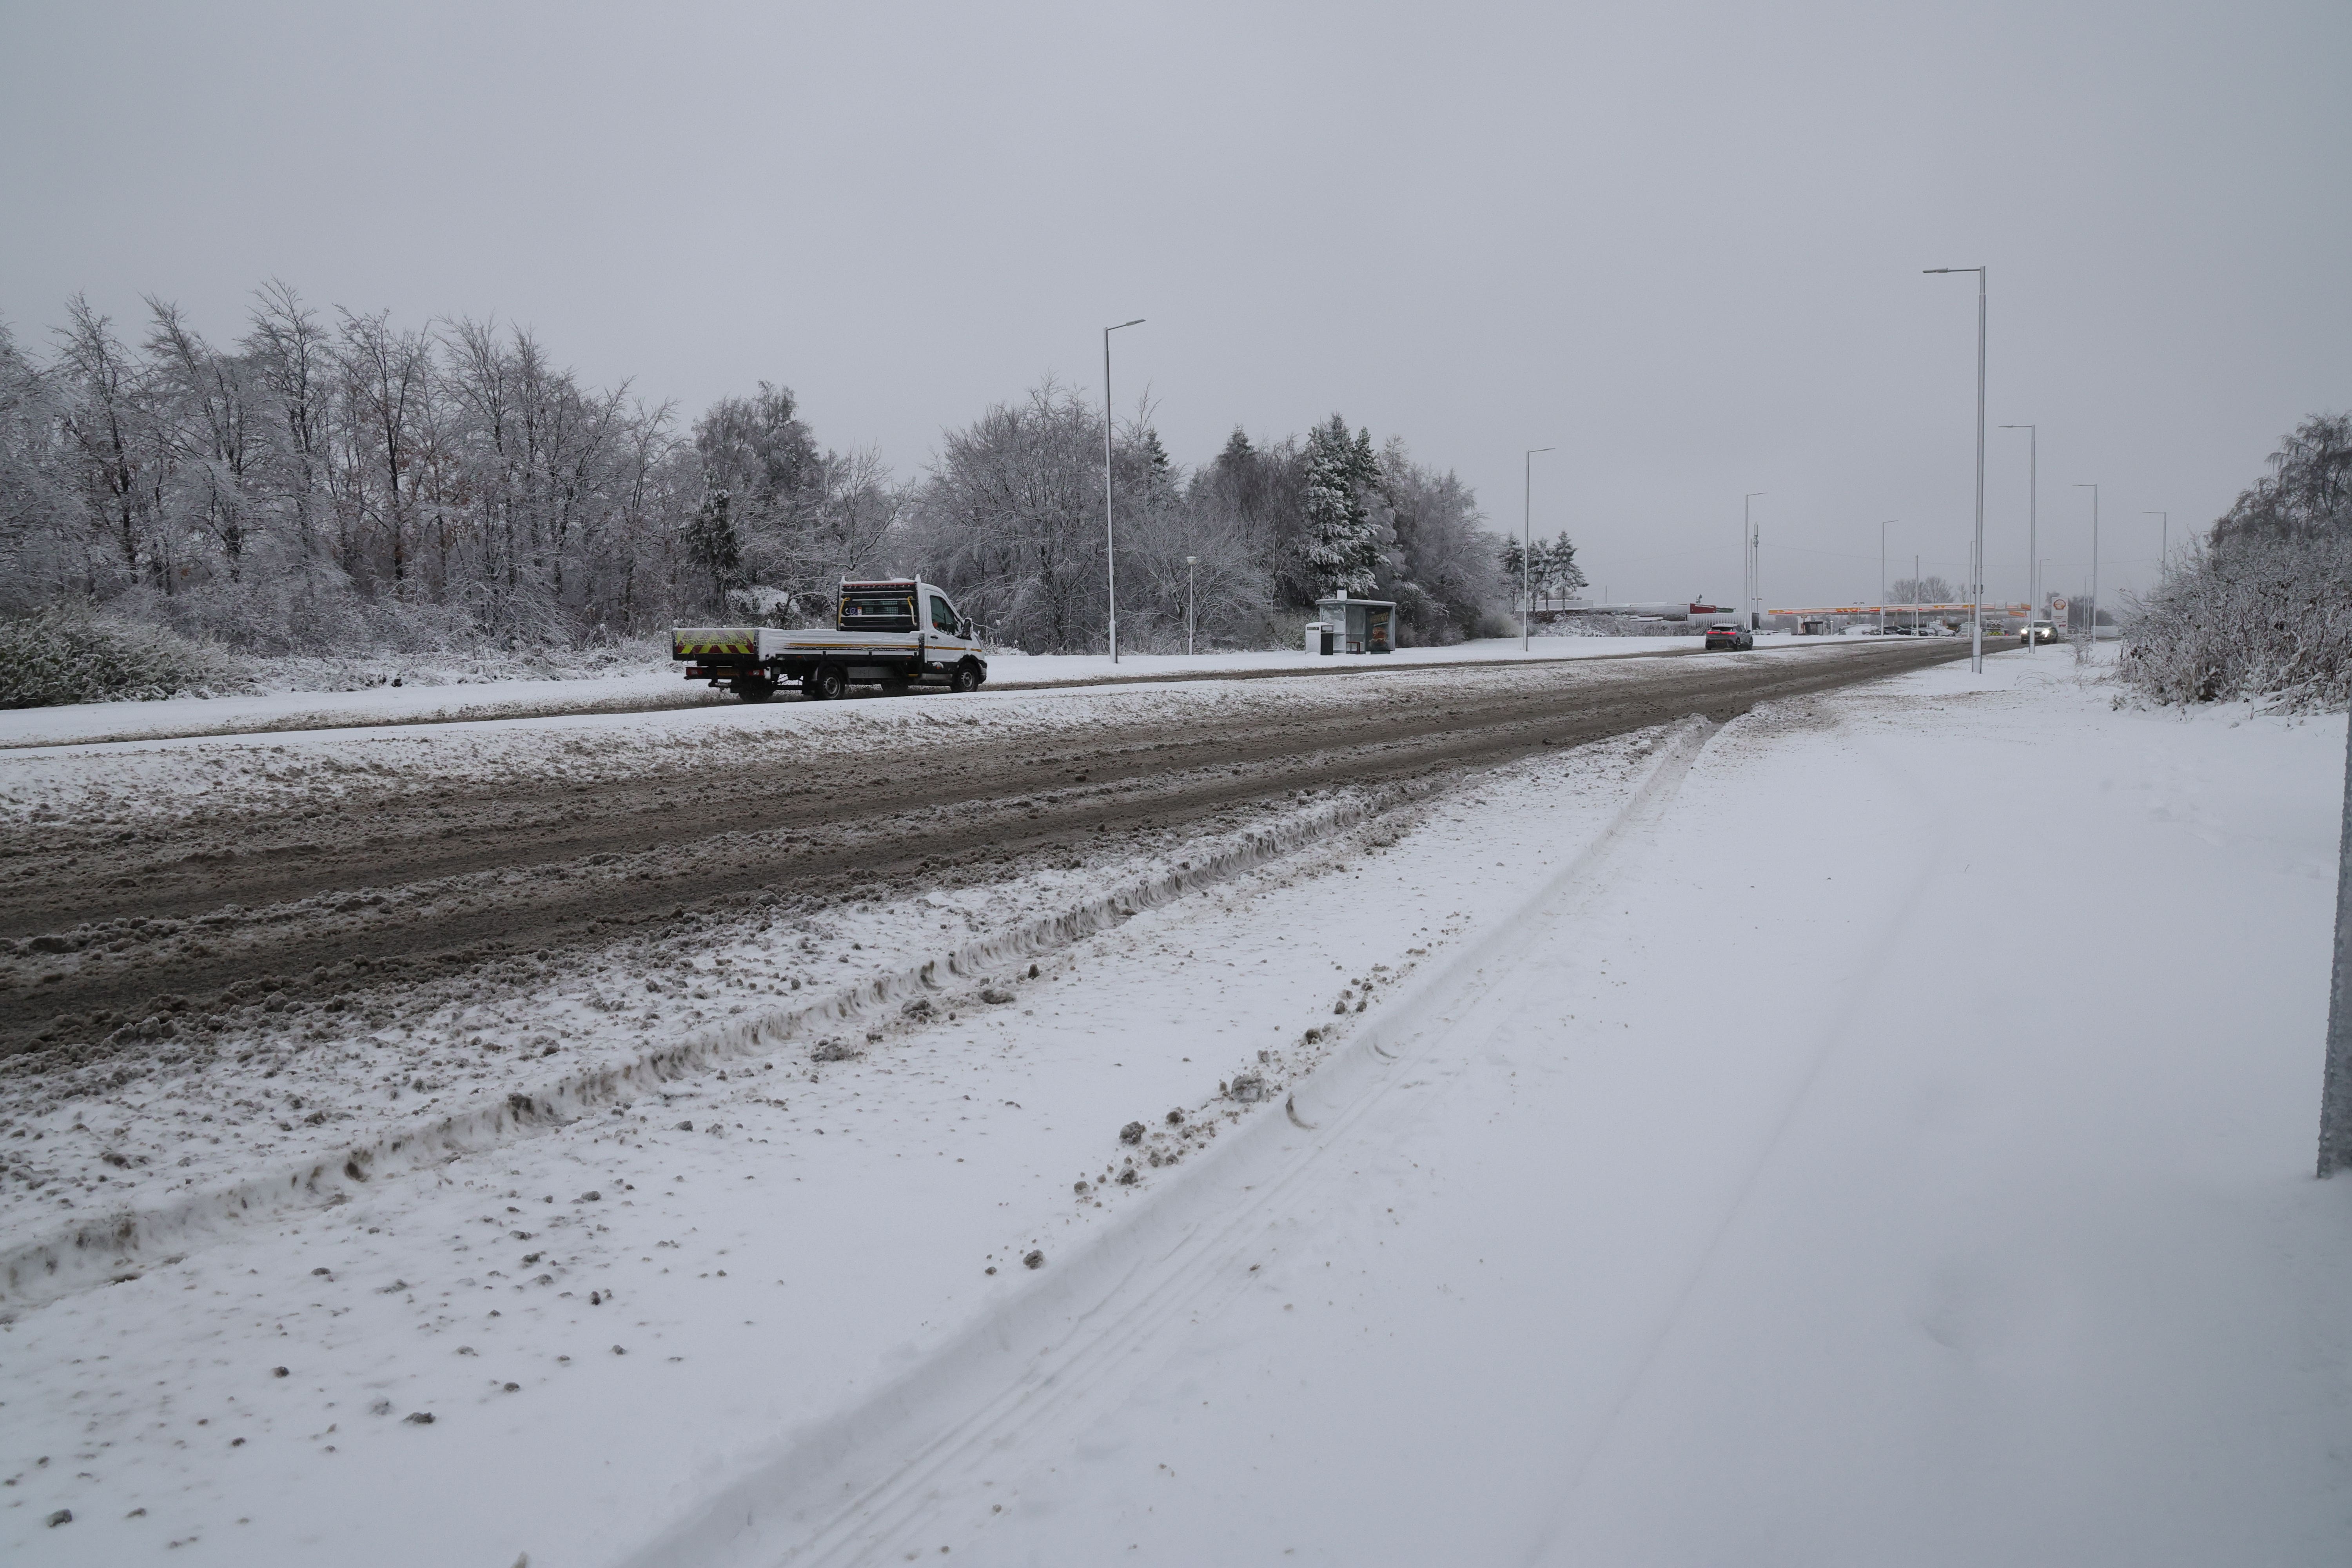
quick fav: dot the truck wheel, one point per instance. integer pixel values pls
(755, 687)
(827, 684)
(967, 677)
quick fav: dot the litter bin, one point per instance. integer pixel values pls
(1319, 636)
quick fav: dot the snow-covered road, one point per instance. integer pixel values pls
(659, 686)
(1879, 1135)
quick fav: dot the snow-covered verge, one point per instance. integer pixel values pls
(1886, 1142)
(296, 698)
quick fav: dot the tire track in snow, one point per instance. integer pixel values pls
(100, 1250)
(867, 1481)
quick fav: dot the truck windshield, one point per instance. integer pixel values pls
(890, 612)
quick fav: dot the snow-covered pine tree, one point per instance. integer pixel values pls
(1562, 576)
(712, 543)
(1342, 546)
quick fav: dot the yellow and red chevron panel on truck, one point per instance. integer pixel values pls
(702, 642)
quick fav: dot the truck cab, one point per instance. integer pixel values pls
(897, 633)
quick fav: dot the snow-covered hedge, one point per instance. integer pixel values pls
(67, 653)
(2262, 608)
(2253, 619)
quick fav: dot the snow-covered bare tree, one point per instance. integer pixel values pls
(1011, 521)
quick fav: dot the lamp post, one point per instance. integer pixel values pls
(1527, 542)
(1190, 563)
(2094, 568)
(1747, 559)
(2032, 523)
(2167, 536)
(1110, 542)
(1976, 561)
(1882, 574)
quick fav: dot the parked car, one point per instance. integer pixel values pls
(1729, 634)
(2037, 631)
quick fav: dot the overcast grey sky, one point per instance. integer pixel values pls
(1682, 242)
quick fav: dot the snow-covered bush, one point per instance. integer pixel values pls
(2254, 618)
(315, 613)
(2263, 609)
(68, 653)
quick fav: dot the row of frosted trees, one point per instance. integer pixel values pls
(330, 481)
(1010, 516)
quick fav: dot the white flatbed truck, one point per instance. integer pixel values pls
(897, 633)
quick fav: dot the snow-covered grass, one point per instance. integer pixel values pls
(1888, 1140)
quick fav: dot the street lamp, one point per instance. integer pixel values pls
(1747, 559)
(1189, 562)
(1882, 574)
(1528, 541)
(1111, 542)
(2161, 560)
(2032, 521)
(1976, 591)
(2094, 567)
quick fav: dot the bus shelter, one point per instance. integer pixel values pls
(1357, 626)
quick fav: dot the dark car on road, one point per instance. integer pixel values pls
(1729, 634)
